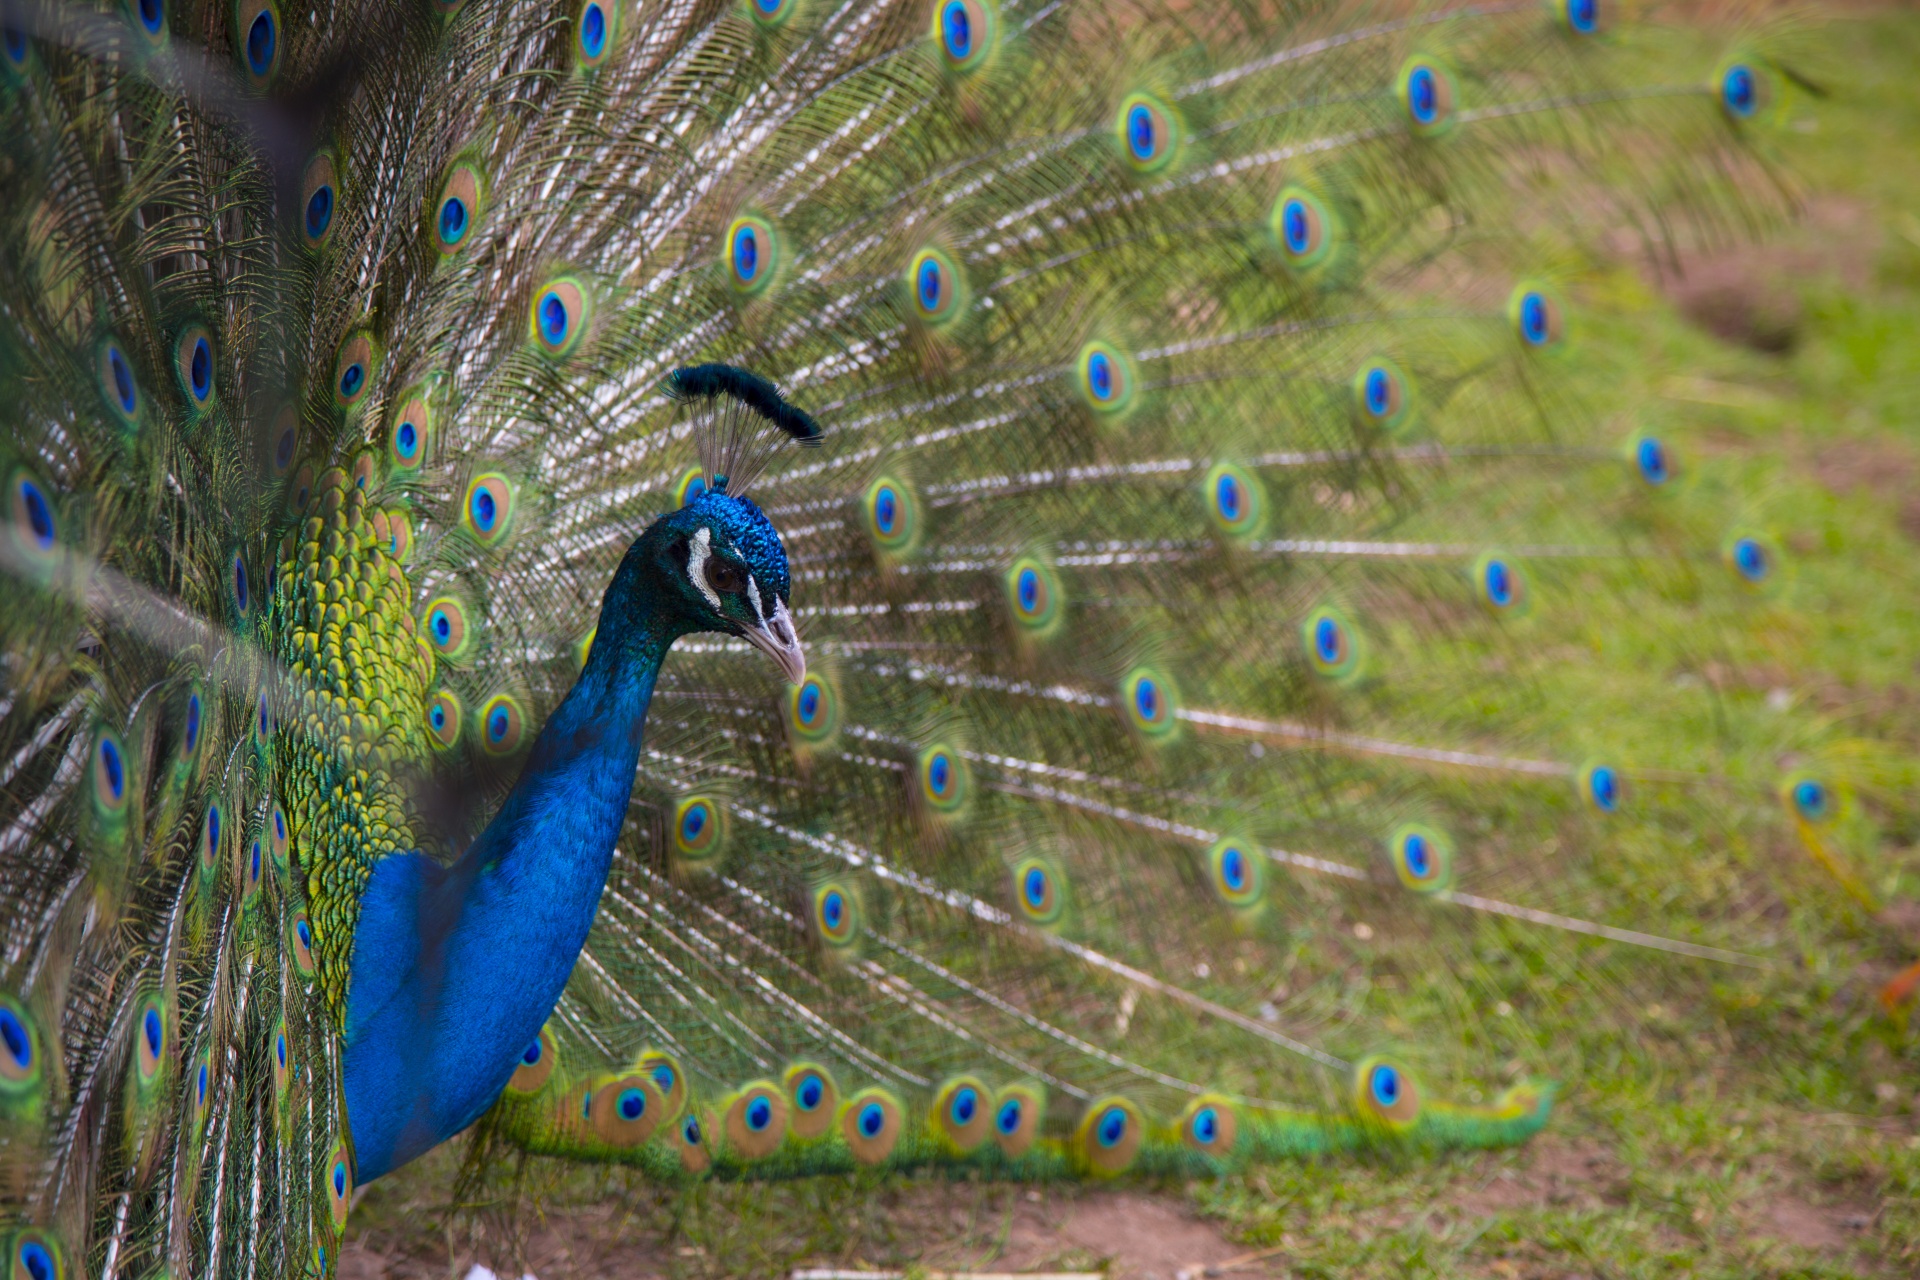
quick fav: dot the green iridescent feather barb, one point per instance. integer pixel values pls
(440, 692)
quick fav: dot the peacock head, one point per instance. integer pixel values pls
(728, 572)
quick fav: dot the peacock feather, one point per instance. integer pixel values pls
(439, 693)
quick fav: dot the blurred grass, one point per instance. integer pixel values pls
(1737, 1129)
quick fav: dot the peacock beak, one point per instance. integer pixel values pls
(776, 638)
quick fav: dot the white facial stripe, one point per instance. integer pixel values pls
(697, 552)
(753, 595)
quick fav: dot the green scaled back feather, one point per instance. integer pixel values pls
(1192, 425)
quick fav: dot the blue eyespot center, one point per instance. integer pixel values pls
(280, 1048)
(1296, 226)
(593, 31)
(1327, 643)
(632, 1104)
(694, 823)
(1379, 392)
(1810, 798)
(532, 1055)
(1140, 132)
(1146, 699)
(928, 283)
(1419, 857)
(966, 1104)
(1604, 785)
(939, 773)
(150, 1026)
(759, 1114)
(1535, 325)
(124, 392)
(1583, 16)
(484, 509)
(691, 1132)
(873, 1118)
(1206, 1126)
(1034, 886)
(1028, 590)
(810, 1092)
(319, 211)
(304, 932)
(1750, 558)
(1499, 582)
(152, 15)
(13, 1034)
(957, 29)
(1233, 869)
(36, 1260)
(809, 703)
(193, 721)
(1652, 459)
(340, 1178)
(746, 253)
(39, 514)
(1112, 1127)
(498, 723)
(213, 827)
(663, 1076)
(260, 43)
(254, 860)
(1423, 95)
(453, 220)
(407, 439)
(1008, 1120)
(833, 909)
(352, 380)
(442, 625)
(240, 584)
(200, 369)
(116, 771)
(1384, 1082)
(886, 509)
(553, 319)
(1739, 90)
(1100, 375)
(1227, 498)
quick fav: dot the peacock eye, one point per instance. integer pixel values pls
(724, 577)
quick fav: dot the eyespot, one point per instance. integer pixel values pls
(772, 13)
(1536, 317)
(812, 709)
(36, 1257)
(944, 779)
(1236, 501)
(353, 372)
(1151, 705)
(151, 18)
(1583, 17)
(1753, 559)
(1383, 396)
(753, 254)
(502, 725)
(239, 587)
(756, 1120)
(443, 715)
(536, 1065)
(1033, 594)
(1653, 460)
(1303, 227)
(666, 1076)
(1811, 799)
(446, 628)
(871, 1125)
(282, 1060)
(963, 1112)
(457, 209)
(1210, 1125)
(593, 34)
(1106, 379)
(339, 1177)
(1385, 1093)
(19, 1047)
(815, 1100)
(210, 832)
(1744, 90)
(1426, 92)
(1110, 1136)
(966, 31)
(279, 837)
(14, 45)
(152, 1038)
(691, 486)
(487, 512)
(283, 443)
(560, 315)
(1603, 787)
(689, 1142)
(1145, 129)
(893, 514)
(191, 723)
(1238, 873)
(399, 541)
(934, 283)
(258, 22)
(1421, 857)
(625, 1111)
(1500, 584)
(1017, 1111)
(262, 722)
(1038, 891)
(112, 786)
(300, 943)
(117, 384)
(318, 196)
(407, 441)
(32, 526)
(698, 828)
(836, 914)
(193, 362)
(1332, 645)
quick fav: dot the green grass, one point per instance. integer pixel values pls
(1737, 1129)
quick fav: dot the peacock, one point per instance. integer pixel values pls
(767, 588)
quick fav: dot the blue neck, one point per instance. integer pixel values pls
(456, 970)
